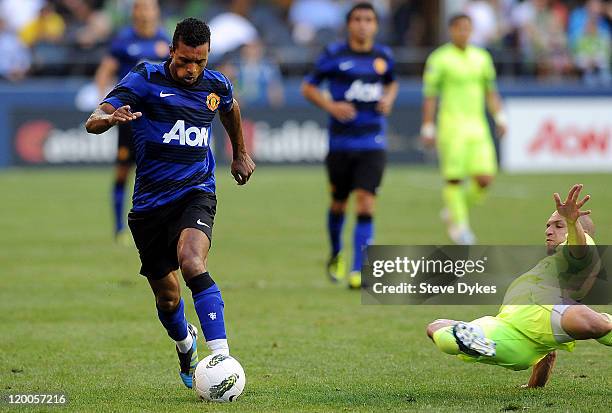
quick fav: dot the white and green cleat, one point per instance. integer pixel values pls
(472, 341)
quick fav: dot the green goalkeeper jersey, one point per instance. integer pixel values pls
(530, 299)
(553, 279)
(461, 79)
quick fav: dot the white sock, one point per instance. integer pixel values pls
(218, 346)
(185, 345)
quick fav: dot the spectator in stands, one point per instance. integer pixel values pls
(90, 26)
(592, 13)
(592, 52)
(271, 20)
(315, 20)
(176, 10)
(45, 35)
(47, 27)
(257, 78)
(484, 22)
(491, 21)
(408, 23)
(608, 12)
(542, 39)
(15, 61)
(232, 29)
(17, 13)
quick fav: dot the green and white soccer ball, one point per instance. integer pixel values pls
(219, 378)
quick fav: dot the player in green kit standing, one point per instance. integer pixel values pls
(461, 77)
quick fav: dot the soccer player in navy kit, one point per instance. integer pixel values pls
(171, 106)
(363, 90)
(144, 40)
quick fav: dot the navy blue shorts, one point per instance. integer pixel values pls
(350, 170)
(156, 232)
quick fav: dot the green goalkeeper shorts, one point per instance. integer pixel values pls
(466, 149)
(524, 334)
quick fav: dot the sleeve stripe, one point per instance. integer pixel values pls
(124, 95)
(141, 70)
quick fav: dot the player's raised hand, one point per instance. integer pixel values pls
(342, 111)
(570, 209)
(242, 168)
(124, 115)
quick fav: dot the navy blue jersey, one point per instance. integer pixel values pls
(172, 138)
(358, 78)
(130, 49)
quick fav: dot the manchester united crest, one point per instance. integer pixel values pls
(380, 65)
(212, 101)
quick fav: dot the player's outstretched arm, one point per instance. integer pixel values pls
(242, 165)
(570, 211)
(342, 111)
(542, 371)
(428, 126)
(106, 116)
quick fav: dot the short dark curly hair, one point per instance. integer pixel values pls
(360, 6)
(192, 32)
(459, 16)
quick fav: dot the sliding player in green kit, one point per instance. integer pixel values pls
(462, 78)
(529, 327)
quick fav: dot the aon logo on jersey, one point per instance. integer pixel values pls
(192, 136)
(364, 92)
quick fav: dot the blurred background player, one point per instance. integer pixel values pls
(462, 78)
(530, 327)
(144, 40)
(363, 90)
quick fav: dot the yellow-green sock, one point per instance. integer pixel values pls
(455, 201)
(445, 340)
(607, 339)
(475, 193)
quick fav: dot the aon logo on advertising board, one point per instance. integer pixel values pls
(364, 92)
(193, 136)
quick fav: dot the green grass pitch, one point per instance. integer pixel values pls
(76, 318)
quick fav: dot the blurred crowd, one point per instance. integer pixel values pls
(544, 38)
(547, 38)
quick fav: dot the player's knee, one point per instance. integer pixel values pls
(608, 320)
(430, 330)
(167, 301)
(191, 264)
(586, 326)
(365, 203)
(436, 325)
(365, 210)
(597, 326)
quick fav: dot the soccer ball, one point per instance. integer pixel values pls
(219, 378)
